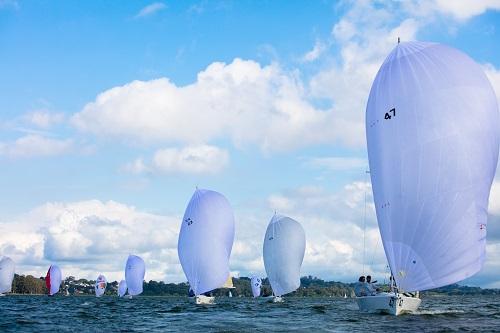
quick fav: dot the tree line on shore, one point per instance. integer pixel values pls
(309, 287)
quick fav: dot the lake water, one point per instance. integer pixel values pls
(160, 314)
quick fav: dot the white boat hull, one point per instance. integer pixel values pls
(278, 299)
(202, 299)
(390, 303)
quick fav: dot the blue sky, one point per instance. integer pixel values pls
(101, 102)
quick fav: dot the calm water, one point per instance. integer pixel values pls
(158, 314)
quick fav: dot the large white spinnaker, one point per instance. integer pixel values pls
(205, 241)
(53, 279)
(432, 127)
(100, 285)
(135, 269)
(284, 247)
(7, 268)
(256, 283)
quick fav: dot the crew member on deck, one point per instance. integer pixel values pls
(360, 288)
(372, 290)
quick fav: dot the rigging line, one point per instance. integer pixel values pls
(364, 227)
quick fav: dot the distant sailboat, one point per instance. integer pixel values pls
(7, 269)
(135, 269)
(205, 242)
(122, 288)
(284, 247)
(256, 283)
(53, 280)
(432, 129)
(100, 286)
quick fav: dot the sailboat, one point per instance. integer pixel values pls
(135, 269)
(205, 242)
(53, 280)
(256, 283)
(284, 247)
(7, 268)
(122, 288)
(100, 285)
(432, 132)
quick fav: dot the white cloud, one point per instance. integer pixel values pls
(89, 237)
(35, 146)
(194, 159)
(137, 166)
(243, 101)
(43, 118)
(337, 163)
(151, 9)
(315, 53)
(465, 9)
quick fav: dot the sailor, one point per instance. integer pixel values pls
(360, 288)
(372, 290)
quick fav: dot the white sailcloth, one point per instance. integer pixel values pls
(7, 268)
(205, 240)
(53, 279)
(135, 269)
(284, 247)
(256, 283)
(100, 285)
(432, 130)
(122, 288)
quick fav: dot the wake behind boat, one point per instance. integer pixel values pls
(432, 133)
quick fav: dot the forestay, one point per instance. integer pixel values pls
(7, 268)
(205, 240)
(284, 247)
(100, 285)
(122, 288)
(53, 279)
(432, 129)
(256, 283)
(135, 269)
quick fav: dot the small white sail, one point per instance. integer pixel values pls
(7, 268)
(284, 247)
(256, 283)
(205, 241)
(53, 279)
(122, 288)
(100, 285)
(135, 269)
(432, 127)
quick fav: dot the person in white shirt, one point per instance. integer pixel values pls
(361, 288)
(372, 290)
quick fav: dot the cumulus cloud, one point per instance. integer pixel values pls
(43, 118)
(89, 237)
(315, 53)
(35, 146)
(244, 101)
(151, 9)
(464, 9)
(195, 159)
(337, 163)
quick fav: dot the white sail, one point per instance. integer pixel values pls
(135, 269)
(432, 129)
(256, 283)
(53, 279)
(205, 240)
(122, 288)
(100, 285)
(284, 247)
(7, 268)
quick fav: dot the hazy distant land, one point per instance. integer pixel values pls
(310, 287)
